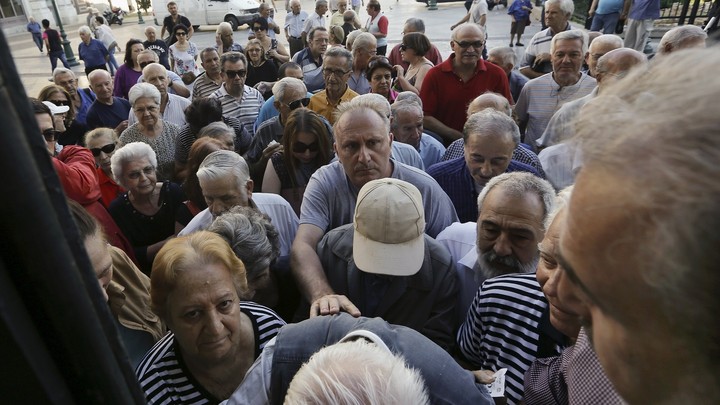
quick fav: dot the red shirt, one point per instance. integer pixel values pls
(433, 55)
(109, 189)
(446, 97)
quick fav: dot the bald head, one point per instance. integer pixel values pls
(617, 63)
(466, 29)
(599, 47)
(682, 37)
(489, 100)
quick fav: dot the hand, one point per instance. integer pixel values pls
(400, 71)
(332, 304)
(452, 27)
(121, 127)
(271, 54)
(272, 148)
(484, 376)
(263, 87)
(591, 13)
(540, 58)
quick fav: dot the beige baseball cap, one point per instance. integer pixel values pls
(389, 228)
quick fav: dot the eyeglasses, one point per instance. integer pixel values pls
(298, 103)
(257, 28)
(60, 102)
(107, 149)
(468, 44)
(49, 134)
(232, 73)
(335, 72)
(143, 64)
(180, 34)
(299, 147)
(403, 47)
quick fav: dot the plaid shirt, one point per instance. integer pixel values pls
(520, 154)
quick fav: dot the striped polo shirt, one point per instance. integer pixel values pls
(246, 109)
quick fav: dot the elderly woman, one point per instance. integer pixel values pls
(183, 55)
(412, 50)
(146, 213)
(256, 242)
(306, 147)
(102, 142)
(91, 51)
(129, 72)
(151, 128)
(379, 74)
(272, 47)
(70, 130)
(126, 289)
(260, 69)
(224, 41)
(197, 285)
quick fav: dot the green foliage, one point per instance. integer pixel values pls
(144, 4)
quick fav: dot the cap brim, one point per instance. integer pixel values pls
(56, 109)
(398, 259)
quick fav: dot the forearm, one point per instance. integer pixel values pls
(434, 125)
(529, 73)
(308, 271)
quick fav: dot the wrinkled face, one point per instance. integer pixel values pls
(492, 58)
(135, 50)
(305, 148)
(509, 228)
(211, 63)
(599, 244)
(290, 95)
(567, 59)
(322, 9)
(172, 9)
(147, 111)
(342, 6)
(260, 33)
(595, 52)
(362, 145)
(380, 81)
(102, 86)
(318, 45)
(139, 177)
(254, 52)
(554, 17)
(96, 145)
(85, 37)
(336, 74)
(45, 123)
(101, 261)
(203, 311)
(488, 155)
(468, 46)
(363, 55)
(234, 76)
(151, 35)
(224, 193)
(565, 307)
(408, 127)
(157, 76)
(295, 7)
(67, 82)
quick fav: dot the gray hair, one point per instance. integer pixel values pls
(409, 97)
(224, 27)
(371, 101)
(84, 30)
(566, 6)
(562, 199)
(61, 70)
(607, 39)
(506, 55)
(98, 132)
(417, 24)
(350, 40)
(674, 39)
(570, 35)
(491, 123)
(333, 376)
(98, 72)
(521, 183)
(320, 3)
(362, 41)
(141, 90)
(131, 152)
(215, 129)
(492, 100)
(221, 164)
(252, 237)
(281, 86)
(403, 106)
(154, 66)
(150, 52)
(338, 52)
(232, 57)
(150, 28)
(472, 27)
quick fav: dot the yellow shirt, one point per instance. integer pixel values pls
(320, 104)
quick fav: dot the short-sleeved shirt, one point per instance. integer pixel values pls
(431, 150)
(204, 86)
(160, 47)
(330, 198)
(320, 104)
(315, 20)
(186, 138)
(312, 71)
(294, 23)
(109, 116)
(246, 109)
(93, 54)
(645, 10)
(185, 60)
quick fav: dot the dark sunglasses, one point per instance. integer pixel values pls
(298, 103)
(143, 64)
(232, 73)
(180, 34)
(107, 149)
(49, 134)
(60, 102)
(299, 147)
(468, 44)
(257, 28)
(403, 47)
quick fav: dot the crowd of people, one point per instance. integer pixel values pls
(322, 223)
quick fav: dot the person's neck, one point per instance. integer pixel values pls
(154, 130)
(558, 28)
(214, 77)
(569, 81)
(235, 93)
(334, 97)
(163, 101)
(106, 101)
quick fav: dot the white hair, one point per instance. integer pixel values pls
(281, 86)
(224, 27)
(363, 40)
(371, 101)
(491, 123)
(84, 30)
(61, 70)
(520, 183)
(492, 100)
(221, 164)
(566, 6)
(673, 40)
(356, 373)
(506, 55)
(141, 90)
(561, 201)
(570, 35)
(131, 152)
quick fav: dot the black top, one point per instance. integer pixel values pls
(267, 72)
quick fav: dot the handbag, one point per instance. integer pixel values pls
(588, 22)
(620, 27)
(188, 77)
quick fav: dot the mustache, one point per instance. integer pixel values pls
(489, 264)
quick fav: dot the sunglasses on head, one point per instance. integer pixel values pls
(299, 147)
(403, 47)
(49, 134)
(60, 102)
(232, 73)
(107, 149)
(303, 102)
(378, 60)
(143, 64)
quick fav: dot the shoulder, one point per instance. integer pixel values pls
(451, 166)
(459, 232)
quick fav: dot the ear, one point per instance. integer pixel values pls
(249, 188)
(335, 148)
(587, 58)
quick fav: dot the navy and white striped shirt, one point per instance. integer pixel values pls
(163, 375)
(245, 109)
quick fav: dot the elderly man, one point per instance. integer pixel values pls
(505, 58)
(537, 55)
(268, 110)
(682, 37)
(82, 99)
(156, 45)
(363, 145)
(414, 25)
(171, 21)
(224, 41)
(172, 107)
(490, 138)
(273, 29)
(336, 70)
(406, 125)
(337, 17)
(294, 23)
(541, 97)
(363, 48)
(599, 47)
(315, 20)
(175, 83)
(640, 23)
(310, 59)
(238, 100)
(449, 87)
(412, 276)
(106, 111)
(211, 79)
(225, 181)
(385, 346)
(639, 245)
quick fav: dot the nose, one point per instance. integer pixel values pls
(550, 287)
(217, 208)
(213, 324)
(364, 154)
(502, 246)
(486, 169)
